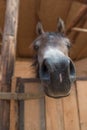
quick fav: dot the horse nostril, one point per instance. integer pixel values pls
(44, 71)
(44, 68)
(72, 71)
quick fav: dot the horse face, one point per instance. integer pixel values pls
(56, 69)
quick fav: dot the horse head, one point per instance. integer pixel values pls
(56, 69)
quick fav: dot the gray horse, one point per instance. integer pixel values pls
(55, 68)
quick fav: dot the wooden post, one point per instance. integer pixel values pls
(82, 12)
(14, 107)
(75, 34)
(8, 58)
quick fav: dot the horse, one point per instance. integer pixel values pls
(54, 66)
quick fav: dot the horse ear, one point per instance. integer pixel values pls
(39, 28)
(60, 26)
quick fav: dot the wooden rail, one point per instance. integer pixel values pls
(13, 95)
(8, 58)
(20, 96)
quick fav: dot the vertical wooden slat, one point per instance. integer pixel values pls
(82, 101)
(54, 114)
(71, 117)
(34, 110)
(21, 106)
(8, 58)
(13, 108)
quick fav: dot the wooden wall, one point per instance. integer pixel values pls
(47, 11)
(68, 113)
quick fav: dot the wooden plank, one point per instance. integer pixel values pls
(54, 114)
(24, 68)
(9, 41)
(82, 101)
(71, 117)
(20, 96)
(8, 58)
(20, 86)
(13, 109)
(82, 12)
(75, 34)
(79, 29)
(34, 112)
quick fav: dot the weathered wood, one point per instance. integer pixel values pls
(8, 58)
(13, 108)
(70, 107)
(20, 89)
(79, 29)
(78, 17)
(20, 96)
(34, 110)
(54, 114)
(61, 114)
(75, 34)
(82, 102)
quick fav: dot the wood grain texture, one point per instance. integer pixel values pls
(8, 58)
(77, 18)
(71, 117)
(61, 114)
(34, 110)
(79, 29)
(13, 109)
(54, 114)
(82, 101)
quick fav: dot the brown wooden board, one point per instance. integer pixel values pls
(34, 110)
(71, 116)
(8, 58)
(82, 102)
(68, 113)
(54, 114)
(13, 109)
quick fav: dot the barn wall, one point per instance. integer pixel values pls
(31, 11)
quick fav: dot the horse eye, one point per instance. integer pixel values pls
(68, 45)
(36, 47)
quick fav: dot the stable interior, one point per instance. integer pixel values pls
(63, 114)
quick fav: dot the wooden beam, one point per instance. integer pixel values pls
(79, 29)
(82, 12)
(8, 58)
(20, 96)
(75, 34)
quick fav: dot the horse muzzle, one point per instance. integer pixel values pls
(57, 76)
